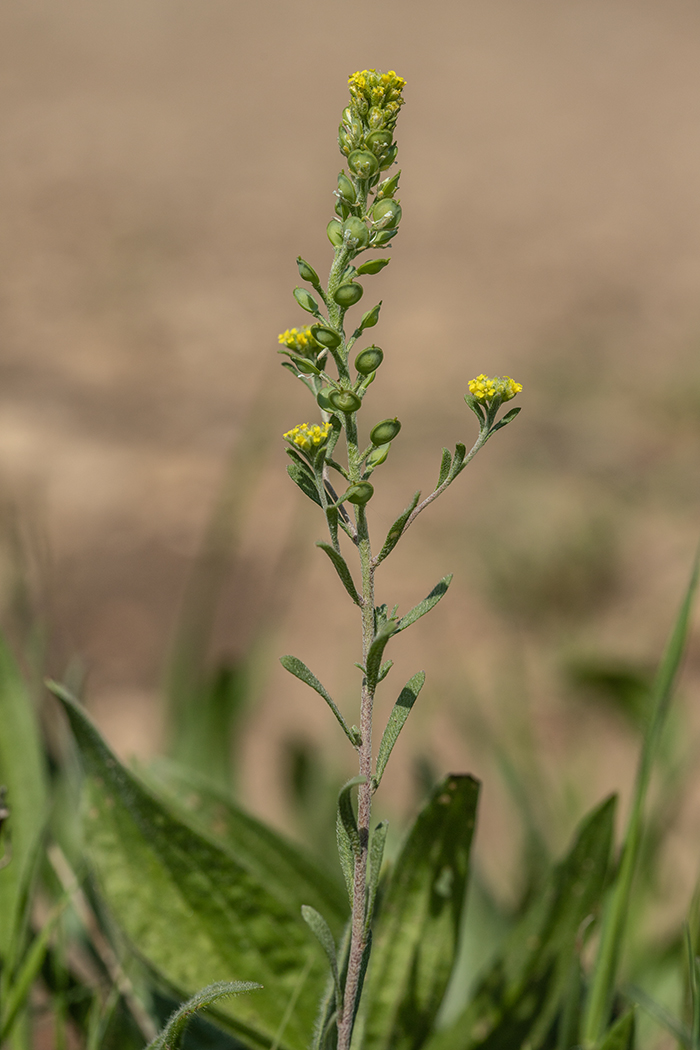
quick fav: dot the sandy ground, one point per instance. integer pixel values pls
(162, 165)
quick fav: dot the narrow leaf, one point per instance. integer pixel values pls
(397, 719)
(384, 670)
(376, 856)
(343, 571)
(28, 971)
(215, 915)
(417, 928)
(171, 1036)
(428, 603)
(305, 483)
(458, 461)
(394, 534)
(508, 418)
(621, 1035)
(301, 671)
(376, 651)
(322, 932)
(347, 834)
(444, 467)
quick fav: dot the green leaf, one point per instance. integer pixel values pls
(347, 834)
(322, 932)
(418, 924)
(508, 418)
(22, 773)
(426, 605)
(193, 910)
(302, 672)
(384, 670)
(397, 719)
(374, 868)
(602, 983)
(444, 467)
(376, 650)
(343, 571)
(27, 972)
(521, 995)
(621, 1035)
(394, 534)
(458, 461)
(476, 408)
(171, 1036)
(301, 478)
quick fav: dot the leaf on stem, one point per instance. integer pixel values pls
(417, 928)
(384, 670)
(444, 467)
(621, 1035)
(394, 534)
(305, 482)
(428, 603)
(341, 567)
(322, 932)
(215, 914)
(171, 1036)
(458, 461)
(376, 650)
(302, 672)
(347, 833)
(374, 868)
(508, 418)
(397, 719)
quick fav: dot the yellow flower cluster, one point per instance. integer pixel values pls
(380, 92)
(298, 339)
(308, 436)
(488, 388)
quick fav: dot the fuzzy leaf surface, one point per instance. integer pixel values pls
(397, 719)
(418, 924)
(395, 532)
(171, 1036)
(341, 567)
(428, 603)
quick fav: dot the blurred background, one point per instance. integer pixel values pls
(163, 163)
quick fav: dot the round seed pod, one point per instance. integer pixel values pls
(306, 301)
(373, 266)
(355, 233)
(306, 367)
(377, 456)
(344, 401)
(306, 271)
(382, 237)
(363, 163)
(334, 231)
(385, 214)
(348, 294)
(346, 188)
(325, 336)
(322, 399)
(379, 142)
(384, 431)
(369, 360)
(388, 158)
(360, 493)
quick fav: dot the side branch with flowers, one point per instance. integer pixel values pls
(334, 467)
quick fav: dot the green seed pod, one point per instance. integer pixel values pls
(363, 163)
(334, 230)
(355, 233)
(360, 493)
(344, 141)
(306, 272)
(379, 142)
(386, 214)
(389, 158)
(342, 210)
(373, 266)
(349, 294)
(369, 360)
(389, 187)
(377, 456)
(346, 188)
(345, 401)
(306, 301)
(322, 399)
(325, 336)
(384, 431)
(305, 366)
(382, 237)
(370, 318)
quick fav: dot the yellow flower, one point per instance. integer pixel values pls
(298, 339)
(380, 92)
(308, 436)
(488, 388)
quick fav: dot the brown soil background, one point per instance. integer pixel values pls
(162, 165)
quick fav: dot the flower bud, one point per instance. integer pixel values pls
(334, 230)
(344, 140)
(385, 431)
(370, 318)
(360, 493)
(346, 188)
(363, 163)
(306, 272)
(379, 142)
(375, 117)
(306, 301)
(386, 214)
(377, 456)
(373, 266)
(369, 360)
(344, 401)
(355, 233)
(325, 336)
(348, 294)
